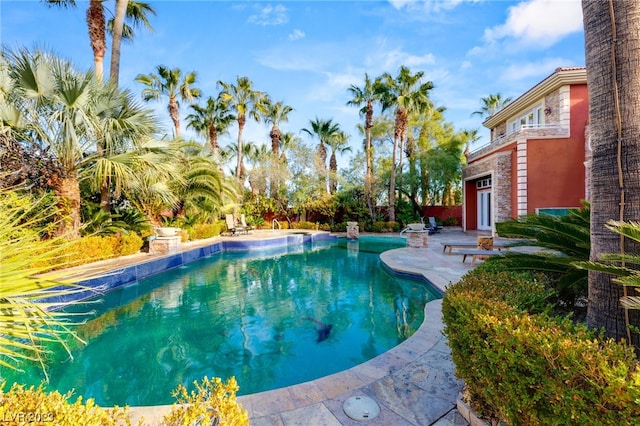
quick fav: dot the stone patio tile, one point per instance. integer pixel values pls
(316, 414)
(267, 403)
(409, 401)
(339, 383)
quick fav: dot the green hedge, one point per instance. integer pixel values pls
(528, 368)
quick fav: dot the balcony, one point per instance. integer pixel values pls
(526, 131)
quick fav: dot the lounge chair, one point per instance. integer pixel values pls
(433, 225)
(232, 227)
(243, 223)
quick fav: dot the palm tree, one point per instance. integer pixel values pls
(126, 10)
(170, 83)
(122, 127)
(491, 104)
(246, 102)
(613, 79)
(87, 130)
(338, 143)
(323, 130)
(365, 97)
(97, 26)
(50, 104)
(276, 113)
(211, 120)
(404, 93)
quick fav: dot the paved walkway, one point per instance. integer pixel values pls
(413, 383)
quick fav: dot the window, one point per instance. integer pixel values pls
(483, 183)
(532, 117)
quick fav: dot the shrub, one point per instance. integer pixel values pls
(205, 230)
(303, 225)
(450, 221)
(381, 226)
(530, 368)
(212, 400)
(26, 406)
(129, 244)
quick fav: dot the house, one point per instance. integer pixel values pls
(537, 159)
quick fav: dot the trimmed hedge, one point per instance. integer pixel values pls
(526, 367)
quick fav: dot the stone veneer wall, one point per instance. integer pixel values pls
(499, 166)
(552, 101)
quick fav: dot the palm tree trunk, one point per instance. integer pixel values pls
(368, 154)
(613, 77)
(333, 173)
(239, 165)
(67, 192)
(121, 11)
(174, 113)
(96, 24)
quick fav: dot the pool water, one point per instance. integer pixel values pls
(271, 318)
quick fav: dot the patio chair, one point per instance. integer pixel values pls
(433, 226)
(243, 223)
(232, 227)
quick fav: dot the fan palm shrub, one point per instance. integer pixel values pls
(564, 240)
(28, 319)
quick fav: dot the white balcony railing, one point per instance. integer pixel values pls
(529, 131)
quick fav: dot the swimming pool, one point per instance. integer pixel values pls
(271, 318)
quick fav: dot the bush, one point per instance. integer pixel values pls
(129, 244)
(381, 226)
(212, 400)
(205, 230)
(450, 221)
(303, 225)
(528, 368)
(27, 406)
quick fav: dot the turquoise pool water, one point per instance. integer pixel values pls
(271, 318)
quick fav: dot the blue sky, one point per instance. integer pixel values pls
(307, 53)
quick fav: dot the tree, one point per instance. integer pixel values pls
(323, 130)
(491, 104)
(613, 78)
(246, 102)
(170, 83)
(276, 113)
(404, 93)
(365, 97)
(126, 10)
(338, 142)
(211, 120)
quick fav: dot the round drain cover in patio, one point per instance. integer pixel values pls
(361, 408)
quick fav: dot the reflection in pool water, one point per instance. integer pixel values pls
(255, 315)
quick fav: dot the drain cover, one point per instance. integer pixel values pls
(361, 408)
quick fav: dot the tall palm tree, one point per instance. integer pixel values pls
(403, 93)
(170, 83)
(136, 13)
(323, 130)
(211, 120)
(491, 104)
(339, 143)
(275, 114)
(97, 26)
(365, 97)
(613, 79)
(246, 102)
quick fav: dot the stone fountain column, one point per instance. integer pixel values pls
(352, 230)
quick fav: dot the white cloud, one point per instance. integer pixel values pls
(270, 15)
(538, 22)
(425, 5)
(525, 71)
(296, 34)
